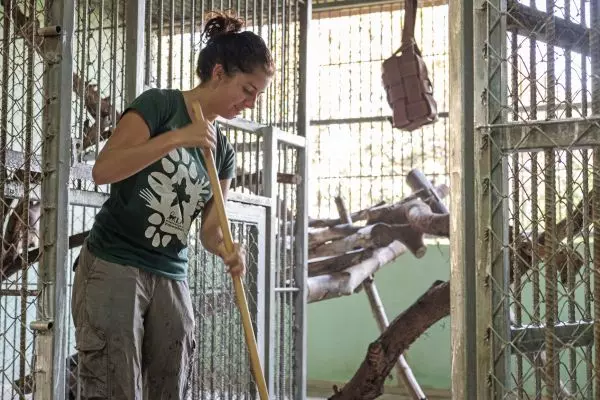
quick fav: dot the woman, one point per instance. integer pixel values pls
(131, 305)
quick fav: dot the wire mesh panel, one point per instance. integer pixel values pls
(540, 176)
(23, 58)
(99, 47)
(173, 33)
(286, 283)
(351, 114)
(222, 367)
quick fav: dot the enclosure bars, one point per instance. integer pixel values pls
(286, 277)
(499, 138)
(463, 204)
(51, 326)
(303, 162)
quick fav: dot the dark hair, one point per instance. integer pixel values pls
(234, 49)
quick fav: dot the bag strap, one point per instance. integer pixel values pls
(410, 15)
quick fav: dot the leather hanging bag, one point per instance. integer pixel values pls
(406, 82)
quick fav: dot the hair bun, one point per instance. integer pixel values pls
(219, 23)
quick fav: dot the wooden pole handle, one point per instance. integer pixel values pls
(240, 294)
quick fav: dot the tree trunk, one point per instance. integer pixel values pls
(367, 383)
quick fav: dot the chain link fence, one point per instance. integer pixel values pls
(22, 129)
(351, 115)
(539, 177)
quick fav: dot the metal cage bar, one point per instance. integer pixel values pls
(52, 304)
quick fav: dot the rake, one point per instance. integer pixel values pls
(240, 294)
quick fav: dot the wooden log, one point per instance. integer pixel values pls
(382, 354)
(422, 219)
(357, 216)
(403, 371)
(379, 208)
(345, 282)
(371, 236)
(319, 236)
(328, 265)
(377, 235)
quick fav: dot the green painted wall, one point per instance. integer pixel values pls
(339, 330)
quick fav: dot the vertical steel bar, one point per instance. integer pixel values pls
(462, 180)
(192, 42)
(587, 289)
(595, 110)
(83, 65)
(282, 269)
(171, 45)
(536, 290)
(114, 54)
(302, 201)
(4, 85)
(99, 80)
(52, 305)
(134, 66)
(25, 200)
(551, 367)
(482, 201)
(270, 168)
(159, 37)
(493, 198)
(534, 199)
(182, 43)
(148, 47)
(587, 292)
(572, 302)
(516, 208)
(288, 271)
(550, 245)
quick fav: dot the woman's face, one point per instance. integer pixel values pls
(239, 91)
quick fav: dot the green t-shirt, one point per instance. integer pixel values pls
(146, 220)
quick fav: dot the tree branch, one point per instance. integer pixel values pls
(382, 354)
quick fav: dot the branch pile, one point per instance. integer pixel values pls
(342, 256)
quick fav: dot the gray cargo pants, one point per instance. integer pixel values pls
(134, 332)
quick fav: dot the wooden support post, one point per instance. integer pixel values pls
(403, 372)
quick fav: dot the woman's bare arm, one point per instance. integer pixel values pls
(130, 149)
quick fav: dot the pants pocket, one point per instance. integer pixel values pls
(93, 363)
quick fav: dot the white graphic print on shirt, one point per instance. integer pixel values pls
(175, 196)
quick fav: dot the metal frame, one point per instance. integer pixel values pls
(257, 214)
(134, 82)
(49, 372)
(463, 221)
(272, 138)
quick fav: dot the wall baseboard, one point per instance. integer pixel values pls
(323, 389)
